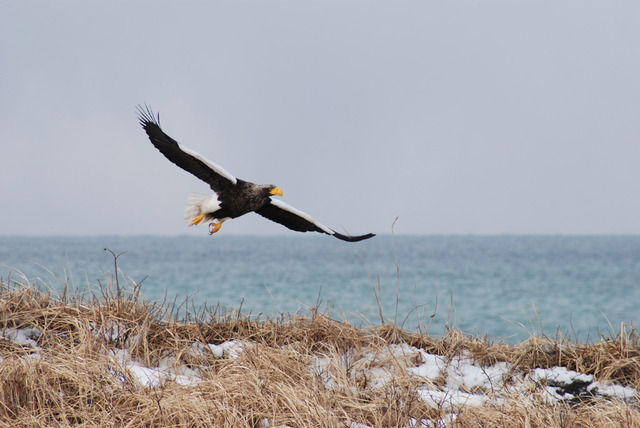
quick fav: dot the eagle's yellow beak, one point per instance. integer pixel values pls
(276, 191)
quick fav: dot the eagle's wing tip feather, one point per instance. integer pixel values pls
(349, 238)
(147, 116)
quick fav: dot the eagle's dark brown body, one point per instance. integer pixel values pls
(243, 198)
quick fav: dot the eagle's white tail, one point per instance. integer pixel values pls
(198, 204)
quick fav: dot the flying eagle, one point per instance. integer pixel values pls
(233, 197)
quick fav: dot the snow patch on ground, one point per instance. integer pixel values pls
(462, 381)
(230, 349)
(26, 337)
(168, 369)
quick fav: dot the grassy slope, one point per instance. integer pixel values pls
(74, 378)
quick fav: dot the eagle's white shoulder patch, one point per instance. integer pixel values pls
(215, 167)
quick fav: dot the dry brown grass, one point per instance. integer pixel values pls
(75, 379)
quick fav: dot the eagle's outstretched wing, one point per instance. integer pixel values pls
(214, 175)
(299, 221)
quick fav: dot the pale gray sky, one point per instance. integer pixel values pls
(458, 117)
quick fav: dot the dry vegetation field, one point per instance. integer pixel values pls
(113, 359)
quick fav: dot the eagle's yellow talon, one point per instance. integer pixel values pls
(197, 220)
(214, 227)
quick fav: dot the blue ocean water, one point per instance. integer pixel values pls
(500, 286)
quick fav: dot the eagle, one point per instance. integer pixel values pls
(232, 196)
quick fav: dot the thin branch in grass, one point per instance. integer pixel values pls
(378, 296)
(137, 287)
(115, 270)
(395, 255)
